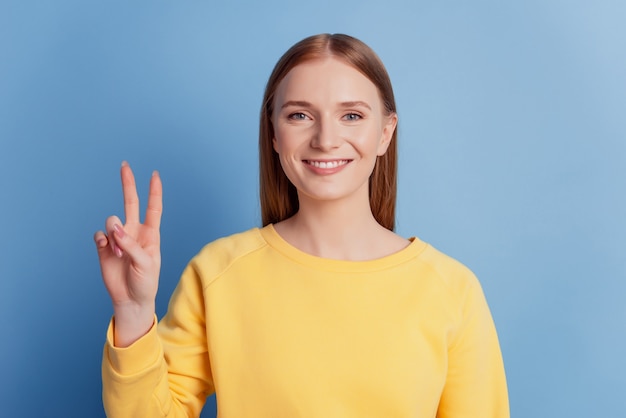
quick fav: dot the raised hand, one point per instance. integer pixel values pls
(130, 260)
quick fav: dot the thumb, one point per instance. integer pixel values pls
(129, 246)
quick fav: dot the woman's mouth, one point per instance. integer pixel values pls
(326, 164)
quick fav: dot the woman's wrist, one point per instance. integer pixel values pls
(131, 322)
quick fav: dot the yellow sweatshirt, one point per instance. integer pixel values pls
(276, 332)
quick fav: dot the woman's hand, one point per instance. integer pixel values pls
(130, 260)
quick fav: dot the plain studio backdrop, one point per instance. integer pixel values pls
(512, 141)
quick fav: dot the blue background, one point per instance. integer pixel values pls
(512, 160)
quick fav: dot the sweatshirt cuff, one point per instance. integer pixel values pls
(137, 357)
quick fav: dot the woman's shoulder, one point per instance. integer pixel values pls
(218, 255)
(447, 269)
(237, 242)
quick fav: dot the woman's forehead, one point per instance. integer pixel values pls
(326, 78)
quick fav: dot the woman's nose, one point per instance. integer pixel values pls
(326, 136)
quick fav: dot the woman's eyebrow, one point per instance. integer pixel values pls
(304, 103)
(357, 103)
(296, 103)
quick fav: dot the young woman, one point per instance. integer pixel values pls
(322, 312)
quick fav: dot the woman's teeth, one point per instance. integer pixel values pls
(327, 164)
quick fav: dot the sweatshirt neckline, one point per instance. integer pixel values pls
(275, 241)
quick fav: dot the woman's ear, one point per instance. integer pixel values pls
(388, 129)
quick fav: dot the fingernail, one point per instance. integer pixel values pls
(119, 232)
(155, 173)
(101, 243)
(124, 163)
(116, 250)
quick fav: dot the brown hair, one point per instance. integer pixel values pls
(279, 198)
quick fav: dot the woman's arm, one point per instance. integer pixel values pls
(149, 370)
(475, 384)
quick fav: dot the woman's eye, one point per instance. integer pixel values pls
(352, 117)
(297, 116)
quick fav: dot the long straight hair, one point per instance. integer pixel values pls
(279, 197)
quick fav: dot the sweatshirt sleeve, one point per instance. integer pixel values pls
(166, 373)
(475, 385)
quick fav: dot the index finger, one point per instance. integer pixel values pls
(131, 199)
(155, 202)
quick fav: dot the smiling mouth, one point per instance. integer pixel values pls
(327, 164)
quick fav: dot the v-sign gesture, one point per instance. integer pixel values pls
(130, 260)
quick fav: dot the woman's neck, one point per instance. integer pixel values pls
(339, 231)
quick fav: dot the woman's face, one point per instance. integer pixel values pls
(330, 126)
